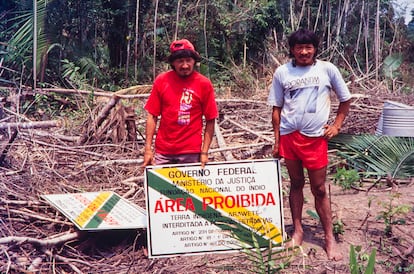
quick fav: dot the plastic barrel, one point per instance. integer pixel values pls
(395, 123)
(398, 122)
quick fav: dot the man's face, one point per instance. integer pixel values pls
(304, 54)
(183, 66)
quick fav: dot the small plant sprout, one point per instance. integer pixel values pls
(357, 260)
(392, 213)
(346, 178)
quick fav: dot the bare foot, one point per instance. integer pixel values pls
(296, 240)
(332, 251)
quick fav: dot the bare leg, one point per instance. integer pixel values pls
(297, 182)
(317, 180)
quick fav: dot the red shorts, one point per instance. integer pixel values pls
(312, 151)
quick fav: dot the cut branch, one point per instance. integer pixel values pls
(114, 162)
(42, 242)
(101, 117)
(249, 130)
(222, 143)
(27, 125)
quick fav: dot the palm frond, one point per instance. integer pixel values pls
(89, 68)
(269, 258)
(21, 43)
(378, 155)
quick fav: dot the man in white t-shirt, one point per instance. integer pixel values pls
(300, 96)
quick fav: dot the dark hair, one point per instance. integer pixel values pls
(184, 54)
(303, 36)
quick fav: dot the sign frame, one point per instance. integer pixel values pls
(193, 210)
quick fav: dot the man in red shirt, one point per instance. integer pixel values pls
(181, 97)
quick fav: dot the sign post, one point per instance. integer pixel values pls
(194, 210)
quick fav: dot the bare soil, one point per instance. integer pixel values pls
(42, 162)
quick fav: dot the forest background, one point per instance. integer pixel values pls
(110, 45)
(85, 51)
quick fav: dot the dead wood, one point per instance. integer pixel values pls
(114, 162)
(222, 143)
(141, 91)
(99, 120)
(115, 123)
(7, 147)
(47, 242)
(27, 125)
(54, 135)
(51, 160)
(249, 130)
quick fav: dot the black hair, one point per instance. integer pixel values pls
(184, 53)
(303, 36)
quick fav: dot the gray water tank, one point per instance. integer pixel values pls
(396, 119)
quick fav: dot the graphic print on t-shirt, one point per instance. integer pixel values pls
(312, 100)
(304, 93)
(185, 106)
(305, 98)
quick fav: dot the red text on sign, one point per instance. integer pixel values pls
(177, 205)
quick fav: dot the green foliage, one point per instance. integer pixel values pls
(72, 72)
(271, 259)
(391, 212)
(45, 107)
(338, 227)
(380, 156)
(391, 65)
(20, 45)
(399, 268)
(313, 214)
(357, 259)
(346, 178)
(239, 40)
(81, 72)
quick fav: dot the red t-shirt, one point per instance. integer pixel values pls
(181, 103)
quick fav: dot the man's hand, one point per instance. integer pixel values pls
(330, 131)
(203, 158)
(148, 158)
(275, 151)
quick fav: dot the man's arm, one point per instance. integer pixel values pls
(341, 113)
(208, 137)
(276, 130)
(149, 135)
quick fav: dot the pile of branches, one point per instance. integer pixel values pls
(105, 152)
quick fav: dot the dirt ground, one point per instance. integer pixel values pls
(359, 211)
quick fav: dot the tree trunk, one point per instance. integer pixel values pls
(136, 42)
(155, 39)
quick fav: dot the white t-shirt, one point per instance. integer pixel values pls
(304, 95)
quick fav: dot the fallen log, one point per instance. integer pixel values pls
(27, 125)
(141, 91)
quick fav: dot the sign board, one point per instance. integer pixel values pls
(98, 210)
(194, 210)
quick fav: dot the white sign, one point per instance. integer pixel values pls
(193, 210)
(98, 210)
